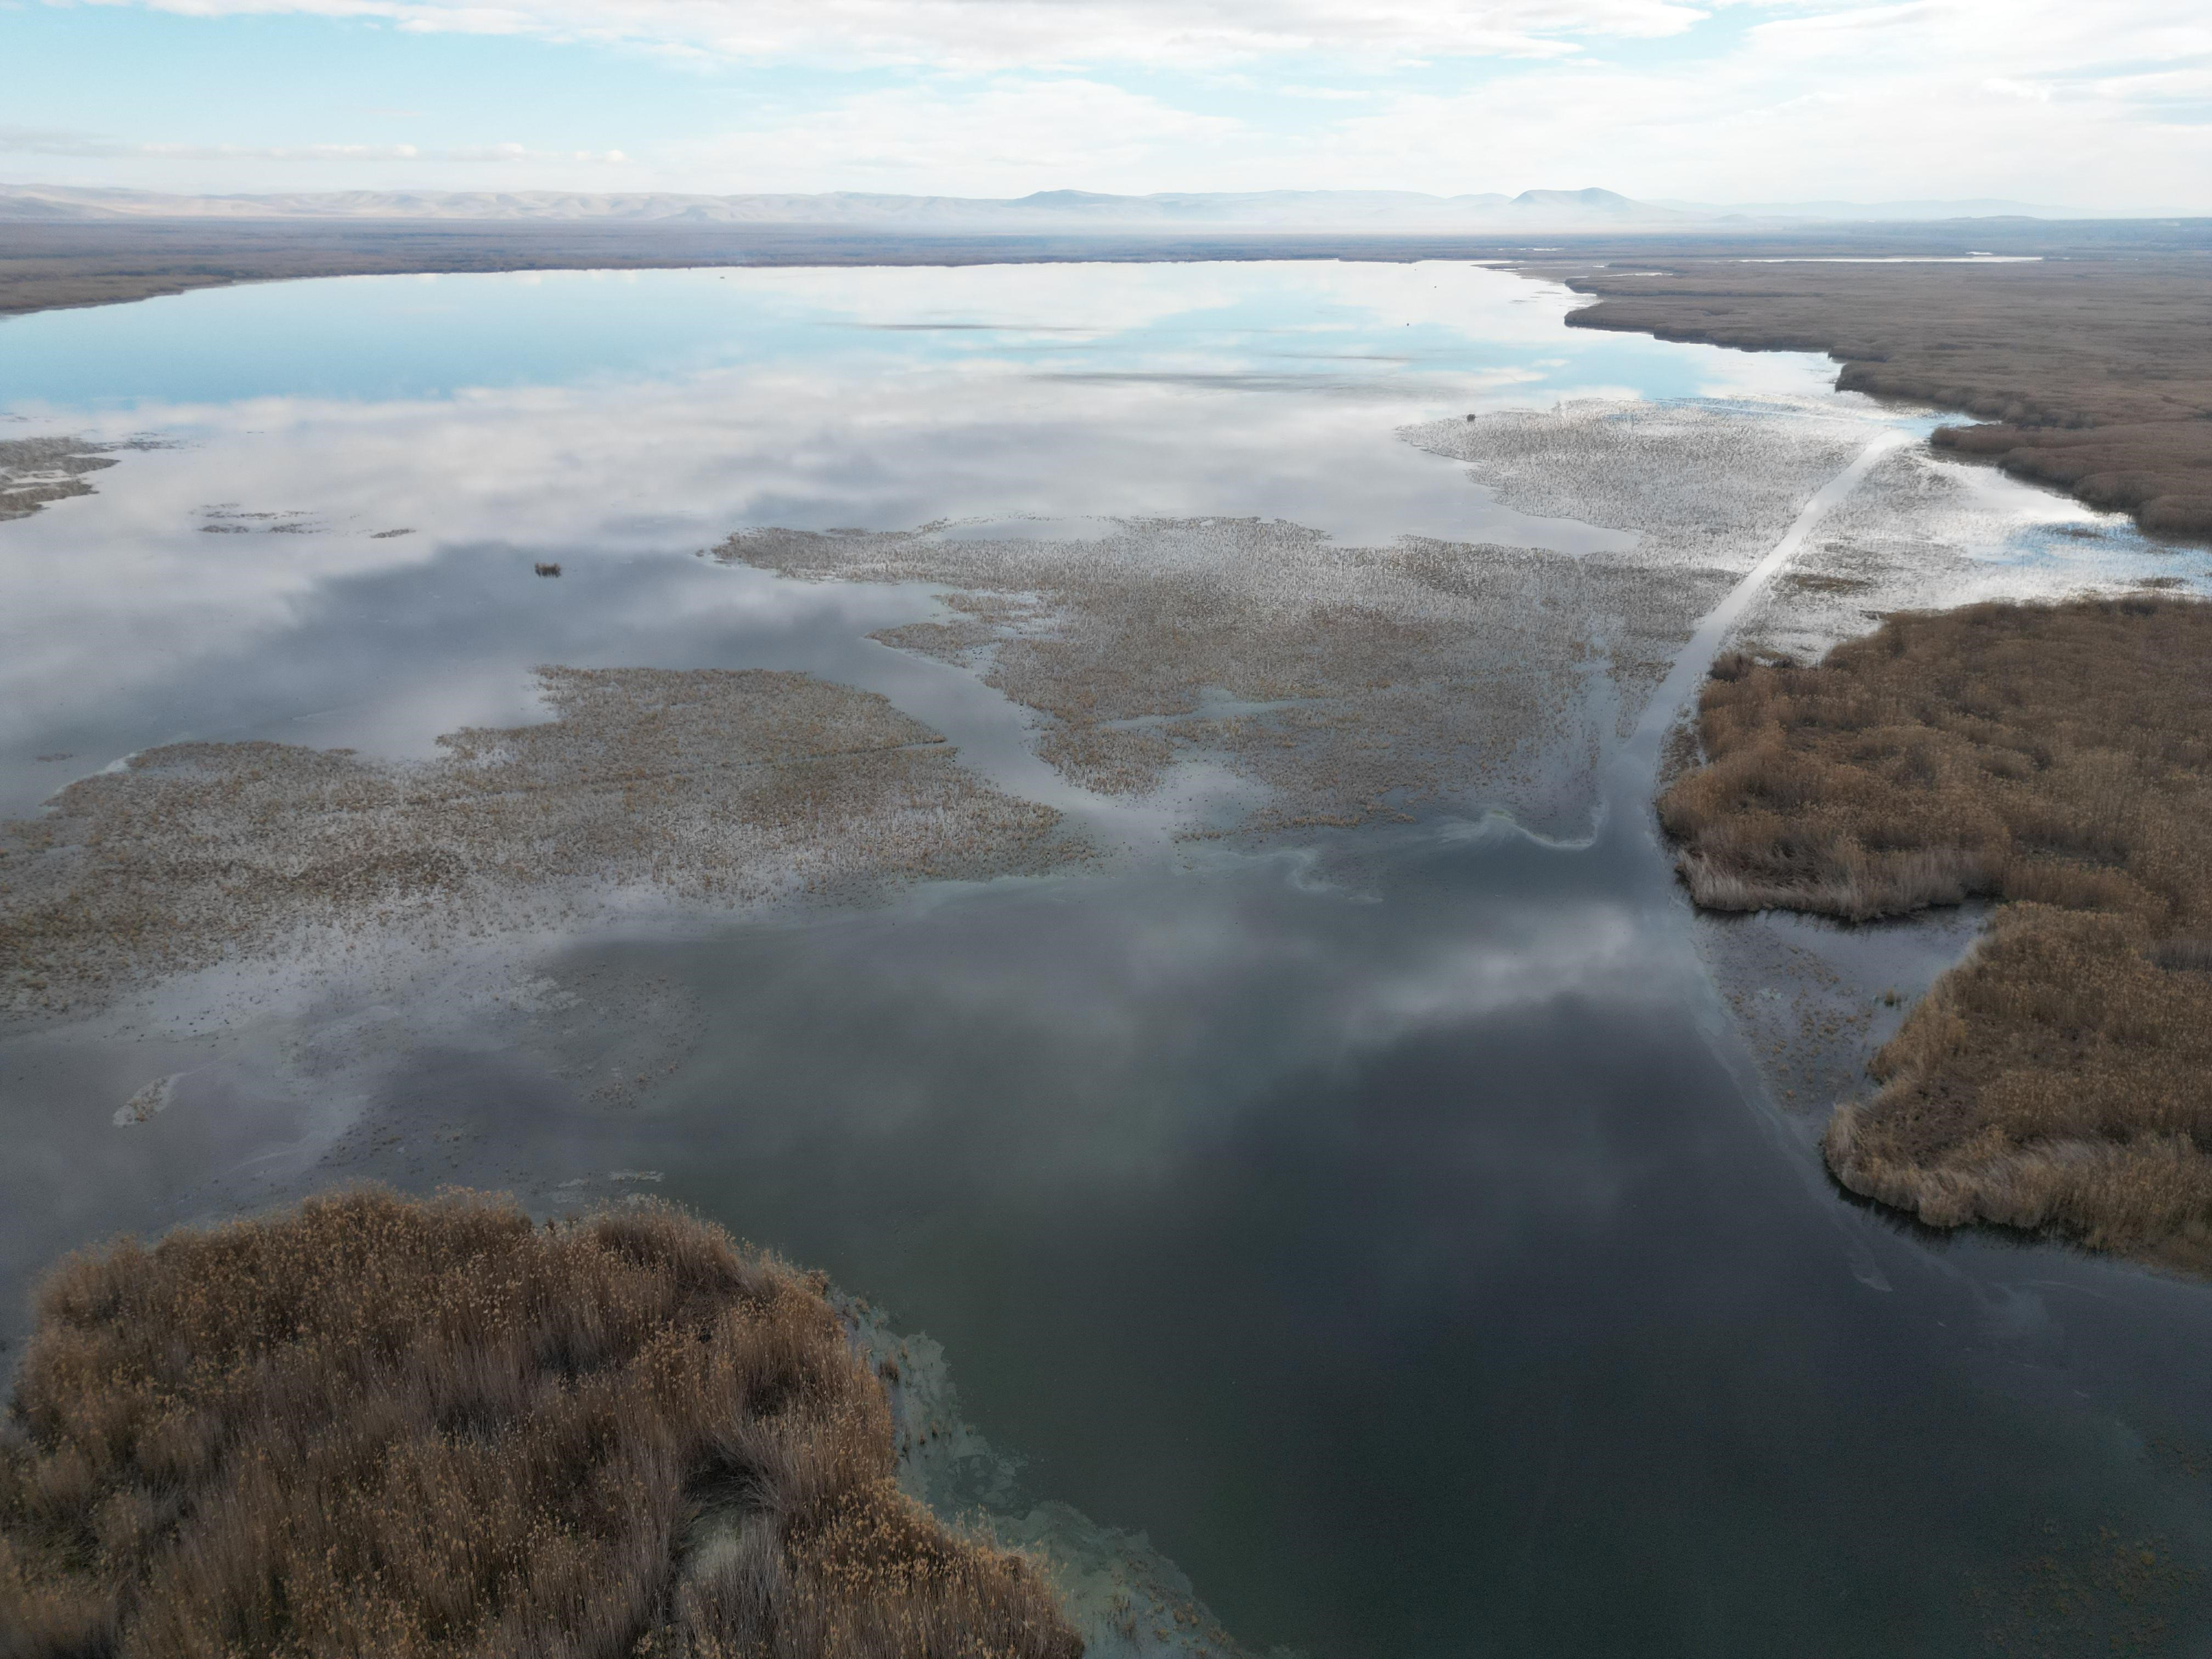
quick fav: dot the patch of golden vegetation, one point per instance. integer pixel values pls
(2057, 759)
(719, 788)
(376, 1425)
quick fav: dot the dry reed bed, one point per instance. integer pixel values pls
(713, 788)
(2054, 758)
(1353, 681)
(376, 1425)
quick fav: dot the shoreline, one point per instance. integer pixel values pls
(49, 265)
(2089, 374)
(2062, 412)
(2042, 759)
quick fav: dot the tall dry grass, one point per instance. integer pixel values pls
(2054, 758)
(371, 1426)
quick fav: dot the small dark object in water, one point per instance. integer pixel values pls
(59, 754)
(547, 569)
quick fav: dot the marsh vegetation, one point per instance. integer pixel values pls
(722, 788)
(2094, 374)
(1349, 682)
(2057, 759)
(36, 471)
(376, 1425)
(1355, 681)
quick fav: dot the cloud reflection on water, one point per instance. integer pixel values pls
(700, 403)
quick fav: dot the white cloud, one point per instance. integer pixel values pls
(1000, 139)
(982, 34)
(1928, 99)
(2042, 100)
(36, 141)
(2033, 99)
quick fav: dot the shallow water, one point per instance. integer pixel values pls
(615, 426)
(1392, 1224)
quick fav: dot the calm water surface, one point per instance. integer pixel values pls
(1391, 1226)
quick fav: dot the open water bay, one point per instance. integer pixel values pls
(1380, 1210)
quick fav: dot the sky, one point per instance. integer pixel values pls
(2100, 105)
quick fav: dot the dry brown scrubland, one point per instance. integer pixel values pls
(2095, 374)
(718, 788)
(2057, 759)
(372, 1426)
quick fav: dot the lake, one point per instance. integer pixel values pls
(1391, 1222)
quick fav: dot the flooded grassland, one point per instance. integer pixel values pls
(1349, 682)
(681, 789)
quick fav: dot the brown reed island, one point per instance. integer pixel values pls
(2056, 758)
(371, 1425)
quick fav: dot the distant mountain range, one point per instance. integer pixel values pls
(1533, 210)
